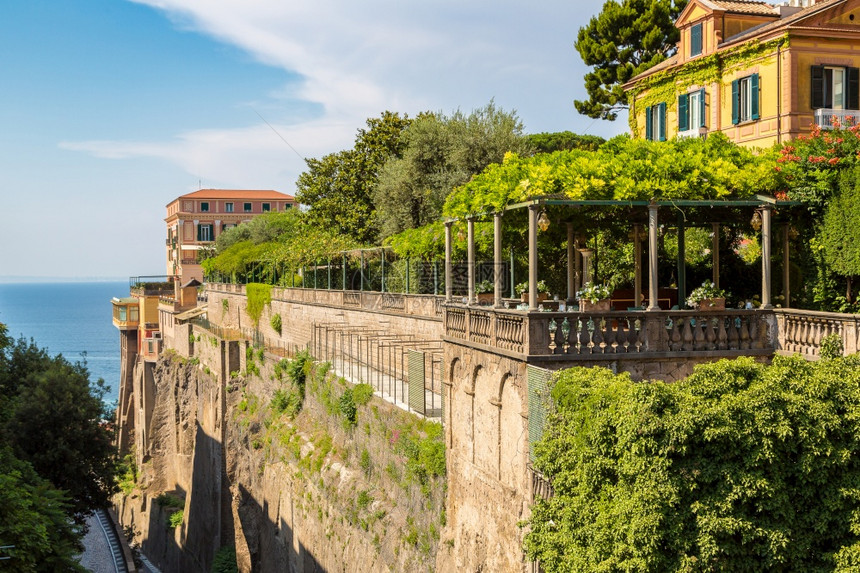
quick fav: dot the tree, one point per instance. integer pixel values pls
(624, 40)
(55, 420)
(739, 467)
(840, 233)
(441, 153)
(337, 188)
(563, 141)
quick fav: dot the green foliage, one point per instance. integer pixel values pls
(622, 169)
(840, 233)
(127, 474)
(276, 322)
(225, 560)
(748, 466)
(440, 153)
(624, 40)
(174, 520)
(364, 499)
(365, 463)
(425, 455)
(362, 393)
(259, 295)
(831, 346)
(563, 141)
(34, 519)
(346, 406)
(338, 187)
(299, 367)
(169, 500)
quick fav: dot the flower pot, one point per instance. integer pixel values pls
(599, 306)
(542, 296)
(486, 297)
(712, 304)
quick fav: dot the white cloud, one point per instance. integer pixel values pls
(358, 59)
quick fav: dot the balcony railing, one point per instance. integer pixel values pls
(611, 335)
(831, 118)
(695, 132)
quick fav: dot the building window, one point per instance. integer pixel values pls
(691, 111)
(835, 87)
(695, 40)
(267, 207)
(287, 206)
(204, 207)
(655, 122)
(205, 233)
(228, 207)
(247, 207)
(745, 99)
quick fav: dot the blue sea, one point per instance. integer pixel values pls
(72, 319)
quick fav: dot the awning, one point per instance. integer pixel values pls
(193, 313)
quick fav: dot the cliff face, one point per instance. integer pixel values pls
(329, 482)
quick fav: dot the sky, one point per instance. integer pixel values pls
(110, 109)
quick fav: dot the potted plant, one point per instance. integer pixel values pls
(707, 297)
(593, 297)
(485, 292)
(522, 289)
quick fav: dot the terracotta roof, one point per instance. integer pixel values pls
(744, 7)
(781, 23)
(237, 194)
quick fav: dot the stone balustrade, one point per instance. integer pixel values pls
(801, 331)
(612, 335)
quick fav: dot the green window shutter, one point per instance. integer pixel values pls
(754, 96)
(817, 97)
(852, 101)
(199, 232)
(683, 113)
(649, 124)
(702, 108)
(661, 110)
(696, 40)
(735, 102)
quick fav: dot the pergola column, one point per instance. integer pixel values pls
(586, 265)
(652, 258)
(533, 258)
(470, 250)
(448, 286)
(571, 255)
(766, 230)
(786, 268)
(715, 253)
(497, 260)
(682, 259)
(637, 265)
(577, 263)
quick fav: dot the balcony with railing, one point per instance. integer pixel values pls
(833, 118)
(151, 285)
(594, 336)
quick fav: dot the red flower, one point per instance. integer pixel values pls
(833, 160)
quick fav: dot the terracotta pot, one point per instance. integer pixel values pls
(486, 297)
(599, 306)
(542, 296)
(712, 304)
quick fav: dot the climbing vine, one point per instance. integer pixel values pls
(259, 295)
(664, 85)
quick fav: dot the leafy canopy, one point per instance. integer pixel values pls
(740, 467)
(624, 40)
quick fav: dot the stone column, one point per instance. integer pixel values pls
(715, 253)
(533, 258)
(766, 230)
(586, 264)
(637, 265)
(786, 267)
(571, 256)
(577, 269)
(448, 287)
(497, 260)
(470, 253)
(682, 258)
(652, 258)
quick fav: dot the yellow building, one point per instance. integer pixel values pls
(759, 73)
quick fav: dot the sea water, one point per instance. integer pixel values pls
(72, 319)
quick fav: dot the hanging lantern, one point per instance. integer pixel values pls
(755, 222)
(543, 221)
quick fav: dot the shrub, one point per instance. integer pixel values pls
(831, 346)
(276, 323)
(362, 393)
(225, 560)
(347, 408)
(364, 499)
(175, 519)
(169, 500)
(365, 463)
(739, 467)
(259, 295)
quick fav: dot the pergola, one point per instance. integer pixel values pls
(640, 215)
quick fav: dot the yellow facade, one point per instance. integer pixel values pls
(780, 51)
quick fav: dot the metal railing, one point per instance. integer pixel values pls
(833, 118)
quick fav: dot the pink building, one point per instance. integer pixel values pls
(195, 220)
